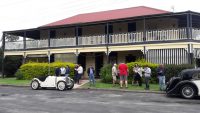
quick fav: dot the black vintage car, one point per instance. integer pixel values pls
(186, 84)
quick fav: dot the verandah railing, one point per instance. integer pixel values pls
(132, 37)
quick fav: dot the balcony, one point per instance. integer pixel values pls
(121, 38)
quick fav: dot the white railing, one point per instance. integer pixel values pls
(171, 34)
(196, 33)
(14, 45)
(36, 44)
(91, 40)
(63, 42)
(126, 38)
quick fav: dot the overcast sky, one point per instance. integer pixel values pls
(22, 14)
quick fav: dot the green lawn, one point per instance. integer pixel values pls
(13, 81)
(153, 87)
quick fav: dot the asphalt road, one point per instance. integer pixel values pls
(25, 100)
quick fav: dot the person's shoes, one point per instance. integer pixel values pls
(121, 87)
(126, 87)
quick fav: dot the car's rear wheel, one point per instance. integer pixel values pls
(61, 86)
(35, 85)
(188, 91)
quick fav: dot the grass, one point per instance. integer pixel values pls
(13, 81)
(99, 84)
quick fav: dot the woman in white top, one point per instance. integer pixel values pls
(114, 74)
(137, 75)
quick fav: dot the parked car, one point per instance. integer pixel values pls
(58, 82)
(186, 84)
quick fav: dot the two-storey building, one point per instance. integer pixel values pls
(115, 36)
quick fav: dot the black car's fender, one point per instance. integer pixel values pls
(177, 88)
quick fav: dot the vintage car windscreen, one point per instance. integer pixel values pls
(196, 76)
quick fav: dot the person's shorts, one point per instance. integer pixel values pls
(114, 77)
(123, 78)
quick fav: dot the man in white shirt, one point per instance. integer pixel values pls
(147, 76)
(114, 74)
(80, 73)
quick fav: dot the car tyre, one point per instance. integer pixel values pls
(188, 91)
(70, 84)
(61, 86)
(35, 85)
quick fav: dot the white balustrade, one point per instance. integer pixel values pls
(126, 37)
(196, 34)
(91, 40)
(14, 45)
(36, 44)
(63, 42)
(170, 34)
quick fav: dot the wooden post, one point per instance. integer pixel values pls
(144, 31)
(76, 34)
(107, 42)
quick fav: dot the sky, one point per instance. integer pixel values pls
(24, 14)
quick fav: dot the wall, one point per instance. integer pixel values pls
(67, 57)
(93, 30)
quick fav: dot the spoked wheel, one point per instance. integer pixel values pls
(35, 85)
(70, 84)
(61, 86)
(188, 91)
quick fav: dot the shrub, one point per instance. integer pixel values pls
(106, 73)
(32, 69)
(19, 75)
(172, 70)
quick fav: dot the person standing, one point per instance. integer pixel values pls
(76, 73)
(91, 72)
(67, 72)
(62, 71)
(57, 71)
(138, 74)
(80, 73)
(147, 76)
(123, 73)
(161, 77)
(114, 74)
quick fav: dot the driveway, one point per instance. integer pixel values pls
(25, 100)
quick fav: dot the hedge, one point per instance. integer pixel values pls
(32, 69)
(170, 70)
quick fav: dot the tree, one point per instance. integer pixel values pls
(11, 38)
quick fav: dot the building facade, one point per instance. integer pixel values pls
(115, 36)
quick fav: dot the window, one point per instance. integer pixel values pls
(196, 76)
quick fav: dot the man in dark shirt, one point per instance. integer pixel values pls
(161, 77)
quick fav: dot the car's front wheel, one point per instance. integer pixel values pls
(35, 85)
(61, 85)
(188, 91)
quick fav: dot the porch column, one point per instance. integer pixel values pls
(144, 31)
(77, 54)
(3, 49)
(24, 40)
(144, 52)
(76, 34)
(190, 54)
(107, 42)
(189, 26)
(24, 58)
(49, 43)
(49, 59)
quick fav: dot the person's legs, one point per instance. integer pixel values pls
(114, 80)
(140, 81)
(93, 80)
(126, 82)
(90, 79)
(147, 82)
(163, 83)
(121, 81)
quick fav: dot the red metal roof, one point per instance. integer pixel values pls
(108, 15)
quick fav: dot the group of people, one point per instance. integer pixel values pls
(78, 73)
(139, 72)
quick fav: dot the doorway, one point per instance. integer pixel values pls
(82, 60)
(98, 63)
